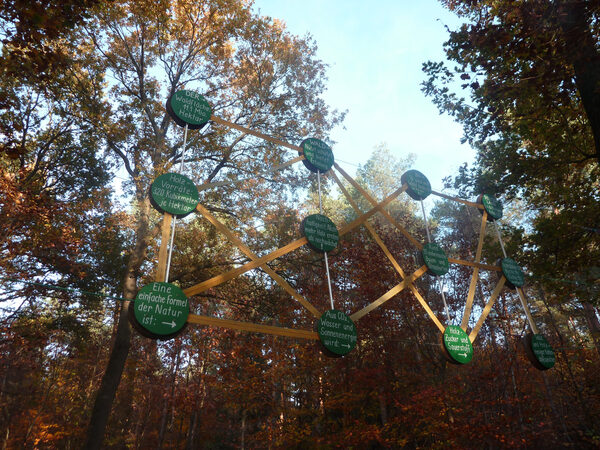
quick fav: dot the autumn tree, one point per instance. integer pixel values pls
(529, 71)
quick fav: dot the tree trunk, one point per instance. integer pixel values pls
(120, 350)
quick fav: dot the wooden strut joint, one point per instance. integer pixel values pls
(460, 200)
(254, 133)
(161, 268)
(217, 280)
(373, 202)
(252, 327)
(527, 311)
(390, 294)
(383, 247)
(474, 278)
(250, 254)
(487, 309)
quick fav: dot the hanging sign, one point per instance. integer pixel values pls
(174, 193)
(161, 309)
(513, 273)
(457, 345)
(189, 108)
(539, 351)
(321, 232)
(419, 187)
(491, 205)
(435, 259)
(319, 157)
(337, 332)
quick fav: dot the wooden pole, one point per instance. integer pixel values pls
(460, 200)
(527, 311)
(488, 308)
(254, 133)
(252, 327)
(474, 278)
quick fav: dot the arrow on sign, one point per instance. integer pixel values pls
(347, 345)
(172, 323)
(464, 355)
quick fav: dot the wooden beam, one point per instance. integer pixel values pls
(254, 133)
(460, 200)
(252, 327)
(250, 254)
(527, 311)
(163, 253)
(488, 308)
(389, 294)
(474, 264)
(371, 200)
(474, 278)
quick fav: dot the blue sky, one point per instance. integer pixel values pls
(375, 51)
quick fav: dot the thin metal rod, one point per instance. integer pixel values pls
(500, 238)
(175, 217)
(425, 220)
(326, 259)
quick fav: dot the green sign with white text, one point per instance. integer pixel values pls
(321, 232)
(435, 259)
(492, 206)
(174, 193)
(189, 108)
(543, 352)
(319, 157)
(337, 332)
(512, 271)
(419, 187)
(161, 308)
(457, 344)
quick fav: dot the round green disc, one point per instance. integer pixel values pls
(542, 350)
(512, 271)
(419, 187)
(321, 232)
(492, 206)
(161, 308)
(457, 344)
(174, 193)
(319, 157)
(435, 259)
(337, 332)
(189, 108)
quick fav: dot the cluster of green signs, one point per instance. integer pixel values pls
(161, 310)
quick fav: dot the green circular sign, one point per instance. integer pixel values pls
(161, 308)
(321, 232)
(457, 344)
(189, 108)
(543, 352)
(435, 259)
(492, 206)
(337, 332)
(319, 157)
(419, 187)
(174, 193)
(512, 271)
